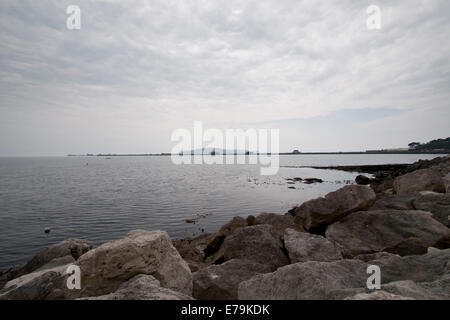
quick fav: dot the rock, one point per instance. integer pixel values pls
(435, 290)
(396, 202)
(317, 213)
(105, 268)
(310, 280)
(420, 180)
(279, 222)
(377, 295)
(436, 203)
(402, 232)
(142, 287)
(258, 243)
(220, 282)
(214, 250)
(312, 180)
(342, 278)
(447, 183)
(302, 247)
(363, 180)
(192, 250)
(47, 283)
(428, 267)
(73, 247)
(374, 256)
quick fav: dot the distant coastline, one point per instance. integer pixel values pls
(281, 153)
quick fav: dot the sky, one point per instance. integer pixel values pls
(138, 70)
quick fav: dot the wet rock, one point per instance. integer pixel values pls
(220, 282)
(105, 268)
(402, 232)
(312, 180)
(320, 212)
(302, 247)
(363, 180)
(142, 287)
(258, 243)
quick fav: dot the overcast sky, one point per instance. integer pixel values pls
(137, 70)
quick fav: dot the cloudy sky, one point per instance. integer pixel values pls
(138, 70)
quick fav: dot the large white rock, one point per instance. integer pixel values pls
(105, 268)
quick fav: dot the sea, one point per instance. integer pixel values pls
(103, 198)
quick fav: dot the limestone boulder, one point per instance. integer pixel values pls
(318, 213)
(302, 247)
(429, 179)
(105, 268)
(142, 287)
(220, 282)
(259, 243)
(402, 232)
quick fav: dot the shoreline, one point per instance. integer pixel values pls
(248, 252)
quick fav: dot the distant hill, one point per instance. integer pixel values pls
(433, 145)
(216, 151)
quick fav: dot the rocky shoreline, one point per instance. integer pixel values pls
(318, 250)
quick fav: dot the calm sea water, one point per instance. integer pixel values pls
(107, 198)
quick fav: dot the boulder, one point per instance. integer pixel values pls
(47, 283)
(220, 282)
(377, 295)
(279, 222)
(396, 202)
(192, 250)
(375, 256)
(436, 203)
(142, 287)
(447, 183)
(214, 250)
(105, 268)
(343, 278)
(302, 247)
(310, 280)
(420, 180)
(323, 211)
(73, 247)
(363, 180)
(258, 243)
(435, 290)
(402, 232)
